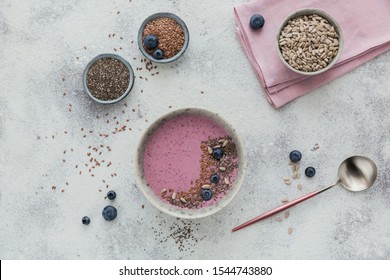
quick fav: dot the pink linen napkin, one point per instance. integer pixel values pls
(365, 25)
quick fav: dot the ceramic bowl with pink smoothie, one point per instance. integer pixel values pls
(190, 163)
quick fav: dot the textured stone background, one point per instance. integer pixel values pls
(39, 44)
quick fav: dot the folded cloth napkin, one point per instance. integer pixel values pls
(365, 25)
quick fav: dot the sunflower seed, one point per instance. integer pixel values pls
(174, 196)
(306, 36)
(163, 191)
(290, 230)
(222, 168)
(225, 143)
(286, 215)
(205, 187)
(182, 199)
(209, 150)
(227, 181)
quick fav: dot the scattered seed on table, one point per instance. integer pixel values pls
(287, 181)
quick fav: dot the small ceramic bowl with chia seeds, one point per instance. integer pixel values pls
(163, 37)
(190, 163)
(108, 78)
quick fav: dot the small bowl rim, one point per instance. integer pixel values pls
(332, 21)
(184, 212)
(114, 56)
(160, 15)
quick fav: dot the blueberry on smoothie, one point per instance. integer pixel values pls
(206, 194)
(214, 178)
(257, 21)
(109, 213)
(217, 153)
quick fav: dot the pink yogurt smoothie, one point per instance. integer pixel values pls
(173, 153)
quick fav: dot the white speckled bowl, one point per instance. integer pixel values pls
(310, 11)
(161, 15)
(183, 212)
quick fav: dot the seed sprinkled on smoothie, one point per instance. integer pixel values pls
(208, 187)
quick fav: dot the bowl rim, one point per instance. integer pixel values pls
(114, 56)
(184, 212)
(332, 21)
(160, 15)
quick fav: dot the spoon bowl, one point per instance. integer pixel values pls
(357, 173)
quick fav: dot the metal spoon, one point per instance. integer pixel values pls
(356, 173)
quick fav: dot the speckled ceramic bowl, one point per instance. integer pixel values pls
(310, 11)
(114, 56)
(161, 15)
(185, 212)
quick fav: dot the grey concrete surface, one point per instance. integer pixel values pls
(43, 109)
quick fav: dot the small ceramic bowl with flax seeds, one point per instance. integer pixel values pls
(163, 37)
(108, 78)
(309, 41)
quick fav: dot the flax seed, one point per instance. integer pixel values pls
(170, 35)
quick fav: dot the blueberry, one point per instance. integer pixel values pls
(214, 178)
(111, 195)
(158, 54)
(295, 156)
(310, 172)
(109, 213)
(257, 21)
(206, 194)
(217, 153)
(85, 220)
(150, 42)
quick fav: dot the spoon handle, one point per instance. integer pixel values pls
(281, 208)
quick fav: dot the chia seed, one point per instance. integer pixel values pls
(108, 79)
